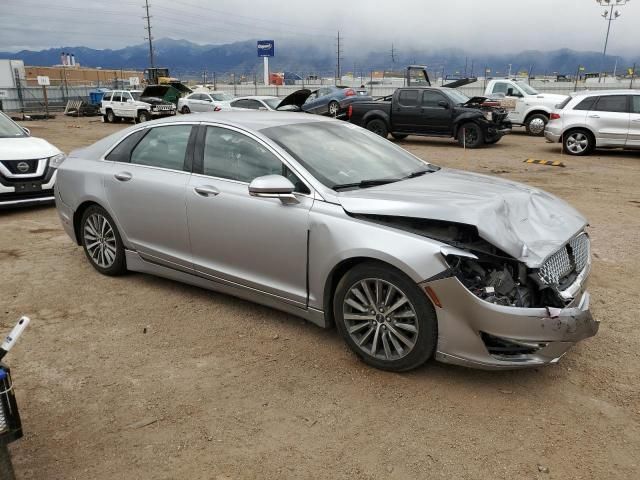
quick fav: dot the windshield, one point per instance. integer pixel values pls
(528, 89)
(272, 102)
(340, 153)
(457, 96)
(222, 97)
(9, 129)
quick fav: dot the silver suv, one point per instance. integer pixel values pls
(590, 120)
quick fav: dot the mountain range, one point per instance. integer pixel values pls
(189, 59)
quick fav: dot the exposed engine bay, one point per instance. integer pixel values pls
(494, 276)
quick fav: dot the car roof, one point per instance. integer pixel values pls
(585, 93)
(249, 120)
(256, 97)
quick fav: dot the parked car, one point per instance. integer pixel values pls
(28, 166)
(329, 222)
(134, 105)
(202, 101)
(590, 120)
(333, 100)
(256, 102)
(527, 106)
(434, 112)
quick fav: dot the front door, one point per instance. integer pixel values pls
(146, 192)
(259, 243)
(435, 118)
(609, 119)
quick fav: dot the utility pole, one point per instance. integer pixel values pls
(149, 36)
(609, 15)
(633, 73)
(338, 59)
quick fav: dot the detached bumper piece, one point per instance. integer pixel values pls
(10, 425)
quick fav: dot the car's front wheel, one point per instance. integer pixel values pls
(143, 116)
(470, 136)
(101, 242)
(185, 110)
(385, 318)
(334, 107)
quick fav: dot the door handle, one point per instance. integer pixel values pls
(594, 116)
(123, 176)
(206, 191)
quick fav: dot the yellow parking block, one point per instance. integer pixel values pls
(554, 163)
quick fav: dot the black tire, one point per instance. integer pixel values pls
(378, 127)
(423, 340)
(536, 124)
(185, 110)
(578, 142)
(470, 135)
(333, 108)
(6, 466)
(110, 117)
(399, 136)
(143, 116)
(117, 264)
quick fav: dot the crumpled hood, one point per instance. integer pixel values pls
(26, 148)
(154, 101)
(507, 214)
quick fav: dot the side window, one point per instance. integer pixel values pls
(163, 147)
(232, 155)
(206, 98)
(612, 103)
(500, 87)
(586, 104)
(254, 104)
(106, 97)
(126, 96)
(116, 97)
(635, 104)
(408, 98)
(239, 104)
(122, 151)
(430, 99)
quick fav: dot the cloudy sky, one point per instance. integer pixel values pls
(473, 25)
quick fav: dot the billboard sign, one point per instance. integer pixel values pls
(266, 48)
(134, 81)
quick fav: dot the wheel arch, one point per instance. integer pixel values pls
(536, 111)
(376, 115)
(79, 212)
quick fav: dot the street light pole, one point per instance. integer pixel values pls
(610, 16)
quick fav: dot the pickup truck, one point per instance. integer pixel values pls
(434, 112)
(526, 106)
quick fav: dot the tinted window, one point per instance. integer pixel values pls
(164, 147)
(635, 104)
(239, 104)
(430, 98)
(254, 105)
(586, 104)
(122, 152)
(612, 103)
(408, 98)
(232, 155)
(116, 97)
(106, 96)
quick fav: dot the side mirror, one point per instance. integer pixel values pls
(273, 186)
(27, 131)
(129, 100)
(444, 104)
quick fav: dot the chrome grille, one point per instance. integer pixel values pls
(573, 257)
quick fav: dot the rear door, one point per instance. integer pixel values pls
(406, 110)
(146, 192)
(633, 140)
(609, 119)
(435, 118)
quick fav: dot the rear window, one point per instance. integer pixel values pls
(408, 98)
(635, 104)
(122, 152)
(586, 104)
(612, 103)
(560, 106)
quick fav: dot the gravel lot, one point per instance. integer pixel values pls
(220, 388)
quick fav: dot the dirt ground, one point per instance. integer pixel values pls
(219, 388)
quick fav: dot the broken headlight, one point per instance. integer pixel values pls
(488, 116)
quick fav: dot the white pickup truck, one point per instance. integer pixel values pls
(525, 104)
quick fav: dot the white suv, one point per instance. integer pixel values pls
(119, 104)
(590, 120)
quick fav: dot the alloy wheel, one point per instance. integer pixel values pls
(380, 319)
(100, 240)
(470, 136)
(577, 142)
(333, 108)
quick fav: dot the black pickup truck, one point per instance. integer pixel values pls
(434, 112)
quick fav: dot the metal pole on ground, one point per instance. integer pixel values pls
(46, 100)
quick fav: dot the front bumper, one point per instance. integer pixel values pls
(163, 113)
(468, 329)
(41, 193)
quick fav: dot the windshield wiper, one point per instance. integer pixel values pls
(365, 183)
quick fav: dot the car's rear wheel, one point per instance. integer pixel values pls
(578, 142)
(110, 117)
(385, 318)
(470, 135)
(101, 242)
(185, 110)
(334, 107)
(143, 116)
(399, 136)
(378, 127)
(536, 124)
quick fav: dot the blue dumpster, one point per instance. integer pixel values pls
(95, 96)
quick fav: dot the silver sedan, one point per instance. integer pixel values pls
(327, 221)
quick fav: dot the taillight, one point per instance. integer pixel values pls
(216, 108)
(349, 92)
(555, 116)
(349, 111)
